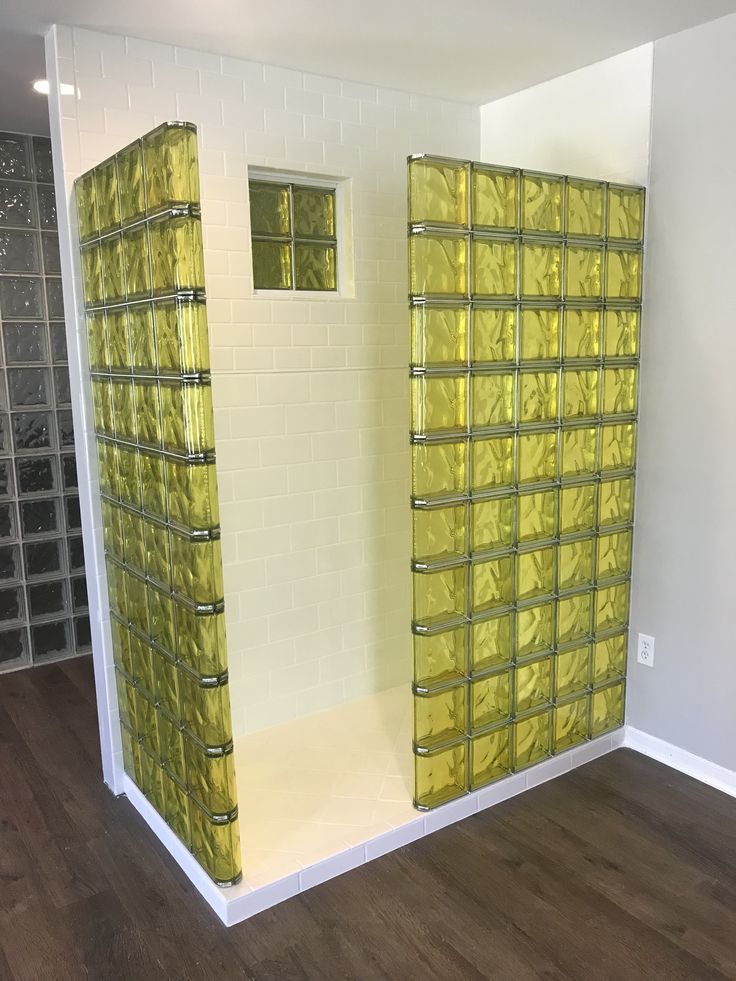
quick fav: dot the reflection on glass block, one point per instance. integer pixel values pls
(39, 517)
(19, 251)
(21, 298)
(579, 393)
(46, 205)
(42, 558)
(17, 206)
(108, 200)
(13, 645)
(51, 640)
(28, 386)
(14, 156)
(32, 430)
(47, 599)
(578, 449)
(24, 343)
(532, 684)
(42, 162)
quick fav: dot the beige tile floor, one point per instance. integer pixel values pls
(310, 788)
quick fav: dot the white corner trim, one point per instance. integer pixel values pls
(680, 759)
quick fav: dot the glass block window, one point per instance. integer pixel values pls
(294, 237)
(43, 595)
(525, 310)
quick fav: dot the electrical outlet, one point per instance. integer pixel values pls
(645, 650)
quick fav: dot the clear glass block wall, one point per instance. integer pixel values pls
(43, 593)
(525, 310)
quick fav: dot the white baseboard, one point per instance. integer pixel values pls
(680, 759)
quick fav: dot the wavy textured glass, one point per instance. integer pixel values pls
(142, 264)
(525, 318)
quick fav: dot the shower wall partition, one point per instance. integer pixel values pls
(525, 293)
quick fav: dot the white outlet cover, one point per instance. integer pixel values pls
(645, 650)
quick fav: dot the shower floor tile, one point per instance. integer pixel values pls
(314, 787)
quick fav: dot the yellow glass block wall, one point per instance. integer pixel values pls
(525, 299)
(142, 266)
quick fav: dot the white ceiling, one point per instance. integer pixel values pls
(469, 50)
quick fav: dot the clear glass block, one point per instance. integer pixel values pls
(14, 157)
(19, 251)
(17, 204)
(22, 297)
(46, 205)
(25, 343)
(42, 160)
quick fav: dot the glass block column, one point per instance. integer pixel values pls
(143, 277)
(43, 592)
(525, 297)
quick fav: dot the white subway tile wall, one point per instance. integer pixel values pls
(310, 391)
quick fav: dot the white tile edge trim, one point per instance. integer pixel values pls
(238, 903)
(679, 759)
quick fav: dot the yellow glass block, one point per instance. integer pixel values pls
(315, 266)
(170, 740)
(440, 658)
(494, 335)
(186, 414)
(583, 271)
(158, 553)
(176, 809)
(270, 212)
(438, 192)
(128, 751)
(124, 409)
(113, 276)
(490, 643)
(618, 446)
(540, 334)
(134, 546)
(142, 346)
(210, 778)
(612, 607)
(541, 203)
(142, 663)
(102, 405)
(314, 212)
(136, 602)
(438, 469)
(205, 710)
(271, 265)
(584, 208)
(440, 717)
(197, 569)
(116, 589)
(571, 723)
(614, 555)
(492, 583)
(537, 457)
(92, 275)
(532, 737)
(623, 274)
(609, 658)
(121, 646)
(97, 341)
(202, 641)
(118, 341)
(578, 451)
(607, 709)
(106, 193)
(86, 200)
(107, 466)
(536, 516)
(489, 757)
(171, 167)
(192, 492)
(438, 265)
(582, 333)
(572, 671)
(439, 596)
(616, 501)
(532, 684)
(535, 573)
(441, 776)
(152, 484)
(495, 198)
(535, 629)
(439, 533)
(626, 212)
(216, 847)
(490, 699)
(492, 524)
(621, 332)
(112, 530)
(494, 267)
(492, 400)
(492, 462)
(575, 564)
(130, 183)
(129, 480)
(439, 404)
(162, 619)
(137, 262)
(619, 390)
(579, 393)
(176, 254)
(148, 412)
(537, 396)
(541, 269)
(166, 680)
(574, 618)
(439, 335)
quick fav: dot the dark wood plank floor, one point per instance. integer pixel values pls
(620, 870)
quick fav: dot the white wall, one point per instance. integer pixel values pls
(685, 539)
(311, 393)
(593, 122)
